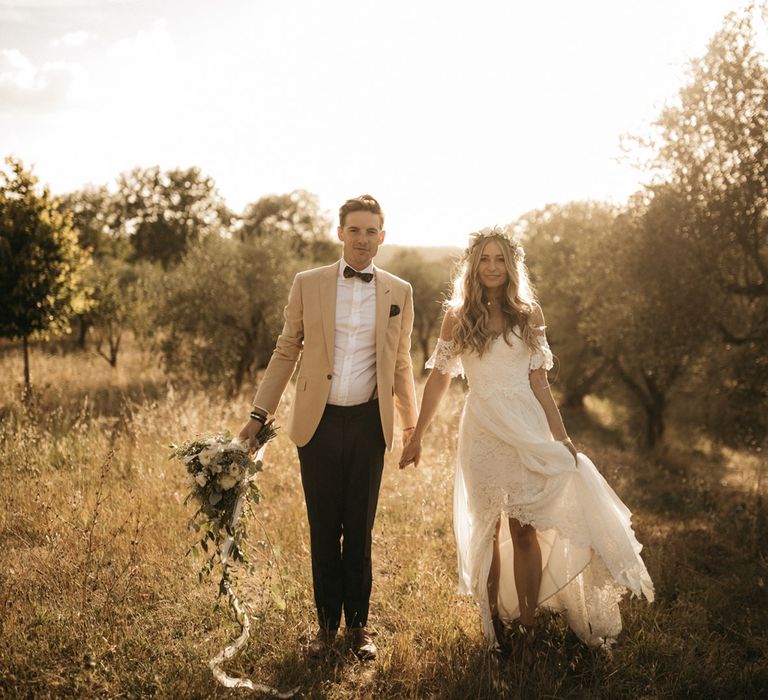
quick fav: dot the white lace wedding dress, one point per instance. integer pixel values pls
(509, 463)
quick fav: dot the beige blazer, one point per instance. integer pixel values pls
(309, 333)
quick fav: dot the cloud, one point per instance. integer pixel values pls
(25, 87)
(53, 4)
(72, 39)
(141, 64)
(134, 65)
(144, 43)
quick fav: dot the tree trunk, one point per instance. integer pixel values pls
(651, 398)
(82, 332)
(654, 427)
(654, 414)
(114, 348)
(113, 341)
(27, 383)
(574, 400)
(245, 361)
(578, 389)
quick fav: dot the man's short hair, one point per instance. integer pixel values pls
(362, 203)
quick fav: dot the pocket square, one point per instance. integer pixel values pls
(394, 310)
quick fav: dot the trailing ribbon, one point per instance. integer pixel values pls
(240, 615)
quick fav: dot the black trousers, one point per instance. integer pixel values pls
(341, 474)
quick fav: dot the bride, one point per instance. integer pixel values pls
(535, 522)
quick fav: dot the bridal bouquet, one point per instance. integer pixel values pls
(222, 477)
(222, 480)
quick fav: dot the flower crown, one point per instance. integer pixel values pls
(485, 234)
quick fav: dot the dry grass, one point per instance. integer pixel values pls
(98, 599)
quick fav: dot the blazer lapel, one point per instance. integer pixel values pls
(382, 313)
(327, 294)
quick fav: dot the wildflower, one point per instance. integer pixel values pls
(226, 482)
(207, 454)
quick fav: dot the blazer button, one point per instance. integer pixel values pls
(330, 376)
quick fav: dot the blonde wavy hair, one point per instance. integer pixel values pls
(472, 330)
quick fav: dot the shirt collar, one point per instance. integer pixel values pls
(344, 263)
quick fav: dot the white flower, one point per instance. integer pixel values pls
(237, 444)
(235, 470)
(207, 454)
(201, 479)
(226, 482)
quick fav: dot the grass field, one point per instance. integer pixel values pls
(99, 600)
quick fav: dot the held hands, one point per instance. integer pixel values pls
(411, 449)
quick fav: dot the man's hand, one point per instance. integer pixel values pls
(249, 432)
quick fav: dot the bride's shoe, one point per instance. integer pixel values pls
(523, 642)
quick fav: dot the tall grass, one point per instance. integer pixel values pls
(99, 600)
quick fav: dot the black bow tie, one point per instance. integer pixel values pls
(351, 272)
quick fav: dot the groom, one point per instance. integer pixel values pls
(351, 324)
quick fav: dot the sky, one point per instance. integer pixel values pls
(454, 115)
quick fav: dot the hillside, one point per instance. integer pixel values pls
(429, 253)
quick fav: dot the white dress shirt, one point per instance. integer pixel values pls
(354, 356)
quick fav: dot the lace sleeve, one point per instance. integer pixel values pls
(444, 360)
(541, 357)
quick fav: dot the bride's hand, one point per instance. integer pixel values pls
(571, 448)
(411, 453)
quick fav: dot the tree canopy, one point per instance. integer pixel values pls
(164, 213)
(41, 263)
(295, 217)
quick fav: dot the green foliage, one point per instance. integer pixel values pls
(41, 263)
(119, 302)
(724, 395)
(95, 216)
(713, 152)
(295, 217)
(164, 213)
(558, 240)
(643, 296)
(220, 310)
(645, 308)
(431, 284)
(624, 303)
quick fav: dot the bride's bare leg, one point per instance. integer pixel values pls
(527, 565)
(493, 580)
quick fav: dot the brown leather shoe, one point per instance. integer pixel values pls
(321, 643)
(362, 644)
